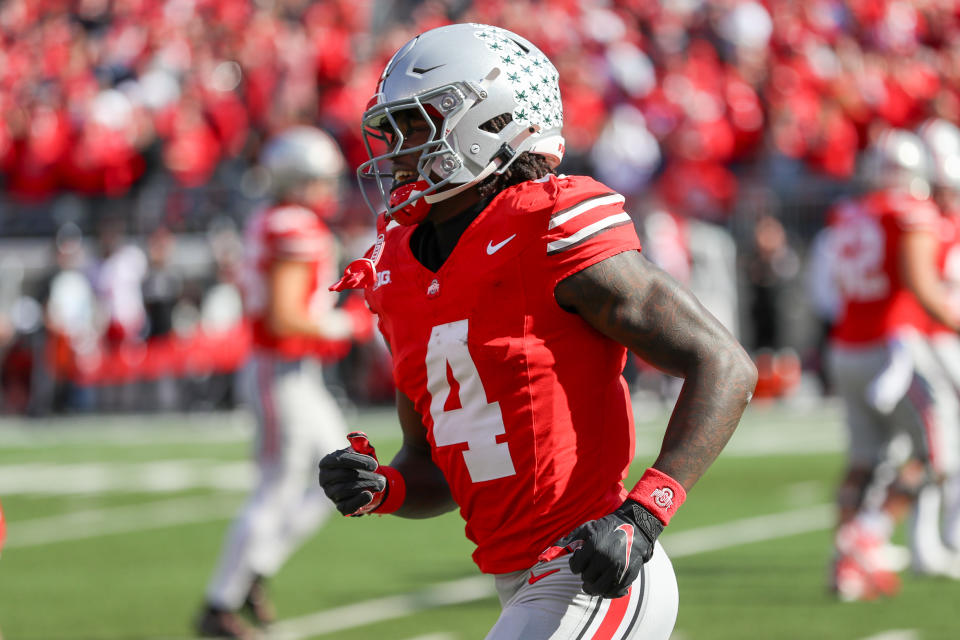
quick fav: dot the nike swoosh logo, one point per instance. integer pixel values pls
(493, 248)
(543, 575)
(627, 530)
(427, 70)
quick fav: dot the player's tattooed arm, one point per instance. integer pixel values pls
(640, 306)
(428, 494)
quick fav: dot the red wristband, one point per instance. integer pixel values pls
(396, 490)
(659, 493)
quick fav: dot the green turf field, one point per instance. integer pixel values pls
(114, 525)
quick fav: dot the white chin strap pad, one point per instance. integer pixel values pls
(440, 196)
(492, 166)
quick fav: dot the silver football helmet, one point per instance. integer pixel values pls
(942, 139)
(299, 155)
(458, 78)
(896, 158)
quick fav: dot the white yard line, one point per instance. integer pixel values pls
(93, 523)
(896, 634)
(135, 430)
(131, 431)
(154, 476)
(381, 609)
(765, 430)
(747, 530)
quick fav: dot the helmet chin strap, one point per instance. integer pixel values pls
(440, 196)
(501, 159)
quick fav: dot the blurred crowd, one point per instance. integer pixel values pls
(131, 129)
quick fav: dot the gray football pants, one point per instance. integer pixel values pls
(298, 422)
(914, 398)
(547, 602)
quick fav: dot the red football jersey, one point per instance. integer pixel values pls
(287, 233)
(866, 235)
(948, 261)
(526, 410)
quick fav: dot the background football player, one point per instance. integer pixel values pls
(942, 139)
(291, 256)
(885, 247)
(509, 296)
(3, 536)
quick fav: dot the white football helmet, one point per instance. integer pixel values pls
(897, 158)
(942, 139)
(299, 155)
(458, 78)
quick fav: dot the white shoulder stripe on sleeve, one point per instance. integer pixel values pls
(587, 231)
(587, 205)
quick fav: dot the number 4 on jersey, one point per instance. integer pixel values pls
(472, 420)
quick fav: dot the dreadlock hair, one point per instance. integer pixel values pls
(527, 166)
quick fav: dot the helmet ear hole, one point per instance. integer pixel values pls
(496, 124)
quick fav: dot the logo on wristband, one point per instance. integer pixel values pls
(663, 497)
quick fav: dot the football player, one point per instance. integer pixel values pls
(509, 296)
(295, 324)
(942, 139)
(3, 535)
(885, 244)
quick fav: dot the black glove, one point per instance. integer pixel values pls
(610, 551)
(349, 478)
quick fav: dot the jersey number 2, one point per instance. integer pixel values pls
(860, 253)
(475, 421)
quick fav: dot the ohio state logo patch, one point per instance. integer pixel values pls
(663, 497)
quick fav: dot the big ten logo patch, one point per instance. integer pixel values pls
(383, 277)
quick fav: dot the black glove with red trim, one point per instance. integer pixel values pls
(356, 481)
(609, 552)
